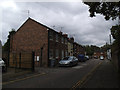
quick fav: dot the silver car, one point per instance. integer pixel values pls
(68, 61)
(2, 65)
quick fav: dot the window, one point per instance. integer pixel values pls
(57, 53)
(51, 54)
(37, 58)
(66, 41)
(62, 54)
(51, 35)
(56, 37)
(66, 53)
(62, 40)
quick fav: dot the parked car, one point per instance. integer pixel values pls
(81, 58)
(2, 65)
(87, 57)
(68, 61)
(95, 57)
(101, 58)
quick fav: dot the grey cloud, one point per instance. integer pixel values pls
(73, 17)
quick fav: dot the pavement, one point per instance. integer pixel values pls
(13, 73)
(105, 76)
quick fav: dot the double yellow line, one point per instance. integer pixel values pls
(82, 81)
(4, 83)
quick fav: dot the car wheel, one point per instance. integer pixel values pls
(71, 63)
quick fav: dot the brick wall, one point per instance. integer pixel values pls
(21, 60)
(31, 36)
(116, 56)
(57, 45)
(78, 49)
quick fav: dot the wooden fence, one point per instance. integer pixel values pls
(21, 60)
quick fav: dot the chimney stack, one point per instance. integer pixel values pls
(61, 32)
(66, 35)
(72, 39)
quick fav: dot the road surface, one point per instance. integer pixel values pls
(62, 77)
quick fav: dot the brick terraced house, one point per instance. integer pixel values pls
(98, 54)
(44, 41)
(77, 49)
(48, 44)
(57, 47)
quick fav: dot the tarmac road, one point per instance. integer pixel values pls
(62, 77)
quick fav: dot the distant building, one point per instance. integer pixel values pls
(77, 49)
(98, 54)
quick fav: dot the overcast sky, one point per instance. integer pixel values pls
(72, 16)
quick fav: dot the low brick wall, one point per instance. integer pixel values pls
(116, 56)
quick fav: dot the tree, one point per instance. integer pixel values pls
(91, 49)
(115, 31)
(107, 9)
(111, 10)
(105, 47)
(6, 46)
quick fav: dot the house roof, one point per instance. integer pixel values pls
(35, 22)
(50, 29)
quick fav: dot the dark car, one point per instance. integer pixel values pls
(81, 58)
(68, 61)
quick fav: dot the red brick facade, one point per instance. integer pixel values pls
(78, 49)
(98, 54)
(31, 36)
(57, 45)
(44, 41)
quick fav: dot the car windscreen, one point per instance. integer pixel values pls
(66, 58)
(70, 58)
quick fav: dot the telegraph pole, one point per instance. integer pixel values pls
(61, 28)
(110, 38)
(119, 40)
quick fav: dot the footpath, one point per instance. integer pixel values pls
(13, 73)
(105, 76)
